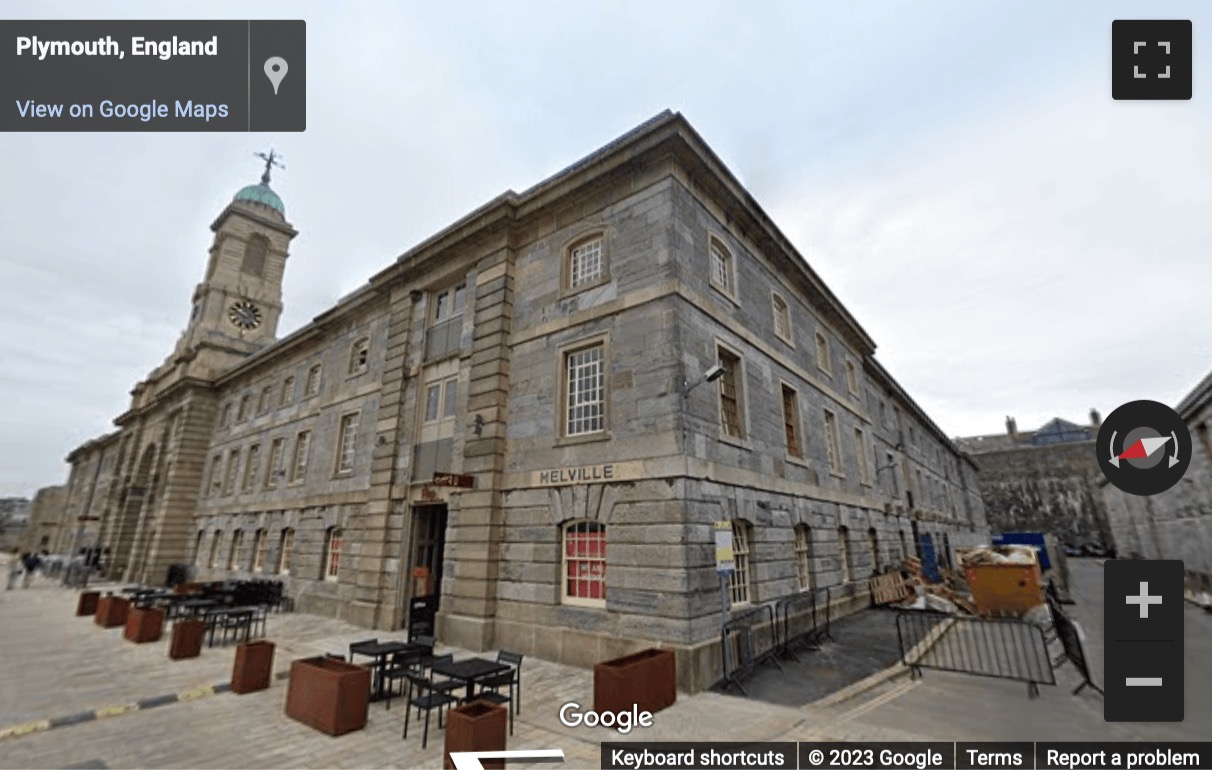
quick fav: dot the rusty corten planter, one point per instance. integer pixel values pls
(646, 679)
(111, 611)
(144, 624)
(253, 667)
(187, 588)
(476, 726)
(328, 694)
(187, 639)
(87, 603)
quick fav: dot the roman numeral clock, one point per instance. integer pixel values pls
(244, 315)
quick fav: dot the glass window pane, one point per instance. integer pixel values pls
(450, 398)
(432, 395)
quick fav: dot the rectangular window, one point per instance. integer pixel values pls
(216, 475)
(585, 385)
(860, 451)
(263, 399)
(332, 561)
(233, 465)
(348, 443)
(822, 354)
(233, 556)
(791, 422)
(782, 317)
(441, 398)
(313, 380)
(285, 545)
(242, 414)
(803, 556)
(198, 548)
(288, 391)
(214, 550)
(585, 564)
(852, 377)
(739, 580)
(274, 471)
(252, 468)
(586, 263)
(843, 554)
(225, 420)
(302, 450)
(731, 417)
(259, 548)
(445, 321)
(359, 356)
(833, 445)
(450, 397)
(721, 266)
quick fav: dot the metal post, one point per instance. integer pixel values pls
(724, 621)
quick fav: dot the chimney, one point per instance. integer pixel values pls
(1011, 427)
(1096, 419)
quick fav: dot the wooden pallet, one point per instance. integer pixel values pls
(890, 588)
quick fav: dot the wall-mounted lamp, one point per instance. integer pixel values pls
(478, 426)
(711, 375)
(381, 441)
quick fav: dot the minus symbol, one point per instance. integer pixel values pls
(1143, 681)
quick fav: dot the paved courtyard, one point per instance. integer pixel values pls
(53, 664)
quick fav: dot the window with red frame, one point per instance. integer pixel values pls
(585, 563)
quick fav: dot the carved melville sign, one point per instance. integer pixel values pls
(586, 474)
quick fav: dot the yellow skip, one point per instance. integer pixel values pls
(25, 729)
(113, 711)
(201, 692)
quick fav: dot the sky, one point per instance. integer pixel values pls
(1015, 241)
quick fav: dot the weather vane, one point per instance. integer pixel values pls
(270, 160)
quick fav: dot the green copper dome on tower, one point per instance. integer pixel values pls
(261, 193)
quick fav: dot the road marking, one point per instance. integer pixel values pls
(1143, 681)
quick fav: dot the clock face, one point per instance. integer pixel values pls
(244, 314)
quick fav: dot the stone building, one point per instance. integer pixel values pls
(48, 528)
(14, 517)
(1176, 524)
(534, 417)
(1046, 480)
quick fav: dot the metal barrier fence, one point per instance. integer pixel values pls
(747, 640)
(999, 648)
(799, 622)
(1071, 640)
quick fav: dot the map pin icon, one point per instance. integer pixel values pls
(275, 70)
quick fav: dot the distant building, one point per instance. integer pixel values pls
(535, 416)
(48, 529)
(1044, 480)
(14, 517)
(1176, 524)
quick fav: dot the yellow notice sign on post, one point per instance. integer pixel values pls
(724, 560)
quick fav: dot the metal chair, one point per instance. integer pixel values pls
(427, 698)
(355, 644)
(491, 686)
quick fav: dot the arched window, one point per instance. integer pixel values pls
(359, 356)
(803, 556)
(843, 554)
(233, 557)
(313, 380)
(782, 317)
(259, 548)
(286, 544)
(332, 553)
(254, 256)
(742, 536)
(198, 547)
(584, 563)
(822, 354)
(214, 550)
(874, 539)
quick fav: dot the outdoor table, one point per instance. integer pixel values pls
(380, 651)
(470, 670)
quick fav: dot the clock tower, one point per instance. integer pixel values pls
(239, 301)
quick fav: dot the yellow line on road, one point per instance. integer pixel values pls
(25, 729)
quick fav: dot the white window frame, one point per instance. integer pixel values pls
(334, 545)
(736, 377)
(313, 380)
(347, 442)
(445, 403)
(286, 544)
(833, 442)
(824, 356)
(359, 356)
(740, 589)
(301, 457)
(803, 556)
(721, 265)
(585, 564)
(582, 413)
(585, 266)
(260, 546)
(782, 318)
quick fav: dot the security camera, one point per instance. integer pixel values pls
(713, 374)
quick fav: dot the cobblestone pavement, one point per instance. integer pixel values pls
(55, 664)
